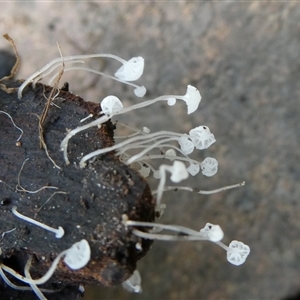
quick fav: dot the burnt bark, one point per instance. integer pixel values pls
(88, 203)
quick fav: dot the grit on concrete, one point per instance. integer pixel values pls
(244, 59)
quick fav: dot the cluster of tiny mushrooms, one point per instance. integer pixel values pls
(171, 146)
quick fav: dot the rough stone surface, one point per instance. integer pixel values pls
(244, 58)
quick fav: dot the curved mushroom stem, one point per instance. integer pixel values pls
(139, 88)
(48, 68)
(39, 281)
(195, 190)
(58, 232)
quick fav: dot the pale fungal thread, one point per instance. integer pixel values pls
(20, 288)
(178, 173)
(34, 287)
(5, 232)
(59, 233)
(1, 181)
(7, 114)
(139, 91)
(55, 193)
(196, 190)
(214, 233)
(19, 188)
(86, 118)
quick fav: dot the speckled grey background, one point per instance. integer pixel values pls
(244, 59)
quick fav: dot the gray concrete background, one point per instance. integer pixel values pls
(244, 59)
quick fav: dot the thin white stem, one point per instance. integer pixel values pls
(41, 280)
(162, 182)
(150, 102)
(222, 245)
(86, 118)
(21, 288)
(95, 72)
(105, 118)
(127, 136)
(195, 190)
(55, 66)
(64, 143)
(165, 156)
(165, 237)
(34, 287)
(1, 181)
(19, 188)
(176, 228)
(148, 137)
(138, 145)
(9, 283)
(137, 131)
(58, 232)
(64, 59)
(136, 157)
(5, 232)
(7, 114)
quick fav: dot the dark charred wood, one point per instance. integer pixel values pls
(88, 203)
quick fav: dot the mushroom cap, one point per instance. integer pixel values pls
(209, 167)
(78, 255)
(140, 91)
(186, 145)
(193, 169)
(237, 253)
(202, 137)
(171, 101)
(144, 171)
(179, 171)
(60, 232)
(170, 154)
(213, 232)
(132, 70)
(111, 105)
(192, 99)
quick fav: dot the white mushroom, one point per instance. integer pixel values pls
(111, 105)
(58, 232)
(140, 91)
(237, 253)
(193, 169)
(133, 283)
(178, 173)
(213, 232)
(186, 145)
(202, 137)
(209, 166)
(192, 99)
(131, 70)
(78, 255)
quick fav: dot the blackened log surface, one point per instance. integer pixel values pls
(68, 293)
(88, 203)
